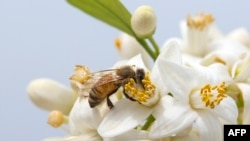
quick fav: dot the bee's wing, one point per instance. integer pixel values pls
(83, 88)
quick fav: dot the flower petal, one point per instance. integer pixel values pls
(240, 35)
(128, 47)
(123, 117)
(227, 110)
(245, 90)
(137, 61)
(225, 57)
(209, 126)
(227, 45)
(178, 79)
(82, 118)
(132, 135)
(173, 119)
(244, 74)
(171, 51)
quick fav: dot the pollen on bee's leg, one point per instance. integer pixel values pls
(147, 95)
(56, 119)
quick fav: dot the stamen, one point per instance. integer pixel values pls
(200, 21)
(219, 60)
(141, 93)
(56, 119)
(118, 43)
(213, 95)
(81, 75)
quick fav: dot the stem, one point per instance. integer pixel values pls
(156, 47)
(147, 48)
(150, 120)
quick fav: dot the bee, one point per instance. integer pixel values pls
(102, 84)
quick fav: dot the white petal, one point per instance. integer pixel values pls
(213, 74)
(190, 137)
(129, 48)
(51, 95)
(244, 75)
(123, 117)
(137, 61)
(221, 56)
(164, 104)
(227, 45)
(132, 135)
(173, 119)
(227, 110)
(240, 35)
(245, 90)
(171, 51)
(178, 79)
(82, 118)
(209, 127)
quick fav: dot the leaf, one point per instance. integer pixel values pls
(111, 12)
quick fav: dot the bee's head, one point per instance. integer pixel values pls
(139, 75)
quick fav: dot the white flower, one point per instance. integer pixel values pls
(51, 95)
(85, 122)
(128, 47)
(224, 51)
(240, 74)
(127, 114)
(197, 33)
(199, 98)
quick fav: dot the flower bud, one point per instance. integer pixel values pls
(56, 119)
(51, 95)
(143, 21)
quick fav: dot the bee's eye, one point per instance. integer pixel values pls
(140, 74)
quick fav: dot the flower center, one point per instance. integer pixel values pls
(143, 93)
(200, 21)
(118, 43)
(213, 95)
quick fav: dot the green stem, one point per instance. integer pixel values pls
(150, 120)
(156, 47)
(147, 48)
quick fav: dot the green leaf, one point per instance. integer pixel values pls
(111, 12)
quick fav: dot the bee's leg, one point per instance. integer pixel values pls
(109, 103)
(127, 96)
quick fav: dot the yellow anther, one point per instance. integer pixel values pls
(81, 75)
(56, 119)
(141, 94)
(200, 21)
(118, 43)
(212, 96)
(219, 60)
